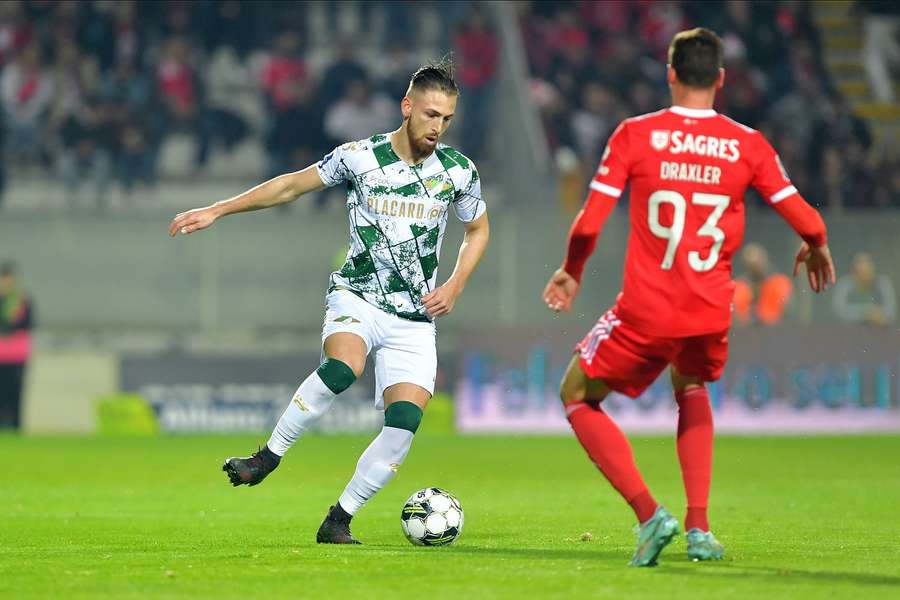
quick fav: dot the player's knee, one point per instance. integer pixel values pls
(571, 391)
(403, 415)
(337, 375)
(682, 383)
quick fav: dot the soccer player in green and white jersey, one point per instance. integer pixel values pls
(384, 300)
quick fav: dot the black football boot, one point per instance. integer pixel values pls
(335, 529)
(252, 469)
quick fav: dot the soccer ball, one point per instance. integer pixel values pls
(431, 517)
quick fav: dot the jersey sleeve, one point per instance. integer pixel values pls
(468, 204)
(332, 169)
(612, 172)
(770, 178)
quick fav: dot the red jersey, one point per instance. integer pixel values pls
(688, 170)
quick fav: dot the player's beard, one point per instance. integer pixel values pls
(418, 140)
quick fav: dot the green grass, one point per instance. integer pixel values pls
(146, 518)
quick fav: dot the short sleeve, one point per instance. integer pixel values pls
(332, 168)
(770, 178)
(612, 172)
(468, 203)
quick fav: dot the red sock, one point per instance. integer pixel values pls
(609, 449)
(695, 444)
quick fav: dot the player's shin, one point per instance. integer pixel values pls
(381, 460)
(695, 447)
(312, 400)
(609, 449)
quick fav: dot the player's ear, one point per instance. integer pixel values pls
(721, 80)
(670, 75)
(406, 107)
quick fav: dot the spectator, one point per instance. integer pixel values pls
(295, 135)
(87, 139)
(392, 73)
(137, 153)
(742, 97)
(864, 297)
(15, 31)
(760, 297)
(344, 69)
(835, 124)
(881, 53)
(284, 72)
(181, 94)
(235, 27)
(75, 77)
(16, 322)
(844, 180)
(887, 175)
(593, 123)
(26, 91)
(359, 113)
(137, 130)
(129, 38)
(642, 98)
(476, 53)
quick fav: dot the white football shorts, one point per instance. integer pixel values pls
(405, 351)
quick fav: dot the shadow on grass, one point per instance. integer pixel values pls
(588, 553)
(616, 559)
(731, 570)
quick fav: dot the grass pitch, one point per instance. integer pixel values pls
(147, 518)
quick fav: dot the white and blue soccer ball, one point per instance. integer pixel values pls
(432, 517)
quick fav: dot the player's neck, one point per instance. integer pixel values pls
(402, 148)
(693, 98)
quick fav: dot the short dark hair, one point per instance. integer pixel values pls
(696, 56)
(435, 75)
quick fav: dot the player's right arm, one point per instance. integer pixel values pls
(278, 190)
(605, 189)
(772, 182)
(329, 171)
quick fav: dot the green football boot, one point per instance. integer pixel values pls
(653, 536)
(703, 545)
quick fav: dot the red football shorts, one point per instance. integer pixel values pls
(629, 361)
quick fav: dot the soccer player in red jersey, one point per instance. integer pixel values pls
(688, 167)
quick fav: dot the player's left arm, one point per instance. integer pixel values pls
(441, 300)
(605, 189)
(772, 182)
(472, 211)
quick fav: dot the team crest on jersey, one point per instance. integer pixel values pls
(659, 139)
(433, 183)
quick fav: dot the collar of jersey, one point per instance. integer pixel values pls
(694, 113)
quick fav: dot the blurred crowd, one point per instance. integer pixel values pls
(763, 296)
(91, 90)
(596, 63)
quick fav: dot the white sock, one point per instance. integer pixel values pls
(376, 467)
(311, 401)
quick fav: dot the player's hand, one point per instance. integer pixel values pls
(560, 291)
(440, 301)
(819, 266)
(193, 220)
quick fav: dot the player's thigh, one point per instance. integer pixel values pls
(349, 348)
(627, 361)
(576, 386)
(349, 330)
(700, 358)
(405, 363)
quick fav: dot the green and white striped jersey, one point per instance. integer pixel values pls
(398, 213)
